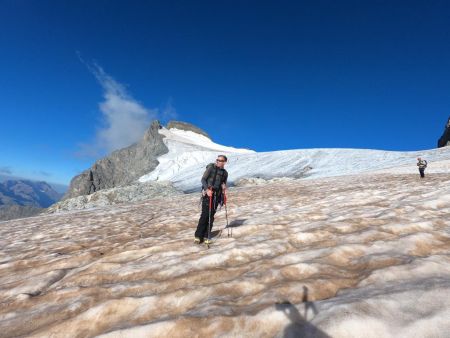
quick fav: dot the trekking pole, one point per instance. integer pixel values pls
(226, 213)
(222, 203)
(209, 221)
(226, 216)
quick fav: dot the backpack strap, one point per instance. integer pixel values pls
(224, 176)
(215, 176)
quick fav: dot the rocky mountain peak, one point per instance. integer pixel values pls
(187, 126)
(125, 166)
(445, 138)
(152, 132)
(121, 167)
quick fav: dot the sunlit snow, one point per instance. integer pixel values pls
(350, 256)
(190, 152)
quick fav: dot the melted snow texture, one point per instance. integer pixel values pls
(189, 153)
(356, 256)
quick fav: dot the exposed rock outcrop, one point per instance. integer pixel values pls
(122, 167)
(445, 138)
(186, 126)
(130, 193)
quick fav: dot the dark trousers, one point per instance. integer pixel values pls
(203, 222)
(422, 172)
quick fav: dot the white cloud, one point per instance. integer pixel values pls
(124, 120)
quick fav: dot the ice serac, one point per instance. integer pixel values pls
(445, 138)
(122, 167)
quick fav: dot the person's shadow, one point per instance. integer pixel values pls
(229, 228)
(236, 223)
(299, 326)
(308, 304)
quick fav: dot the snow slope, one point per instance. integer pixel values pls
(187, 150)
(189, 153)
(352, 256)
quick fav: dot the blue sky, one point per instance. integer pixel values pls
(80, 78)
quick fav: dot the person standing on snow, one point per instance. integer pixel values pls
(422, 164)
(214, 182)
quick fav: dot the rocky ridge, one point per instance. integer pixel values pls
(445, 138)
(131, 193)
(124, 166)
(187, 127)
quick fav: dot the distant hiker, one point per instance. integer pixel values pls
(214, 182)
(422, 164)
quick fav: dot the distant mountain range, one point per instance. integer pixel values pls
(24, 198)
(27, 193)
(60, 188)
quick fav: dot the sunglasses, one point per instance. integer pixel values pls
(220, 160)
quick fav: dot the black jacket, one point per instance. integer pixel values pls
(214, 177)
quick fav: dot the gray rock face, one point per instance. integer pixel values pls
(130, 193)
(186, 126)
(445, 138)
(122, 167)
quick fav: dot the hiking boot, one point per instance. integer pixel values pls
(197, 240)
(207, 241)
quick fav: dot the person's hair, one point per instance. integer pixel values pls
(224, 157)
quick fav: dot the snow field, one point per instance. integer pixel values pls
(351, 256)
(189, 153)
